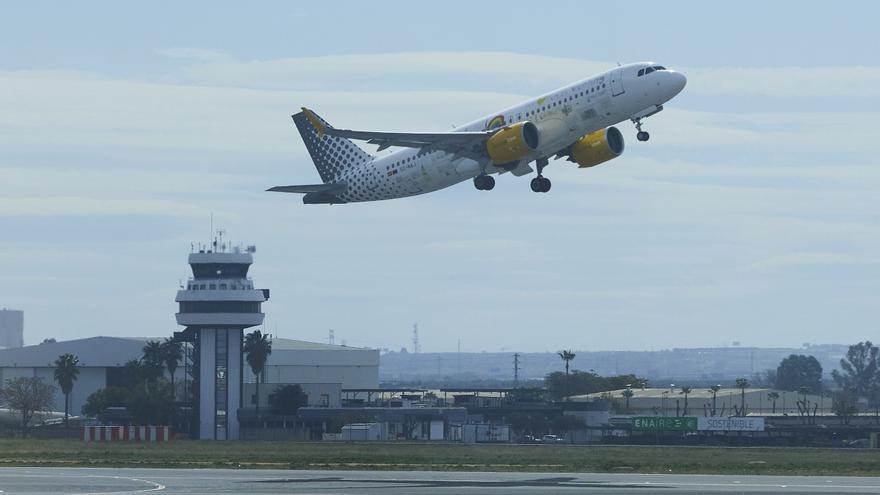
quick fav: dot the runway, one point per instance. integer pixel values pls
(209, 481)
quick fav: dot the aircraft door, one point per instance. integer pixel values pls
(617, 82)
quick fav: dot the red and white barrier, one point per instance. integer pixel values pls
(124, 433)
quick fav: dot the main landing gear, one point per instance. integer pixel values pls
(484, 182)
(641, 135)
(541, 184)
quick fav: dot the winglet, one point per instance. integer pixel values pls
(315, 121)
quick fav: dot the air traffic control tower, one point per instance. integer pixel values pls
(216, 305)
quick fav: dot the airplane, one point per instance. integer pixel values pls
(575, 122)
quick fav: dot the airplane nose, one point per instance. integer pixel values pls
(680, 81)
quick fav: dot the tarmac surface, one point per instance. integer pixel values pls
(122, 481)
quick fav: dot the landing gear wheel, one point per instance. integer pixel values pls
(641, 135)
(488, 182)
(536, 184)
(540, 184)
(484, 182)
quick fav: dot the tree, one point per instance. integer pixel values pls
(66, 372)
(797, 371)
(764, 379)
(133, 374)
(773, 396)
(172, 353)
(685, 391)
(103, 398)
(859, 369)
(567, 357)
(257, 348)
(150, 403)
(627, 394)
(154, 360)
(288, 399)
(844, 405)
(27, 396)
(742, 384)
(714, 391)
(587, 382)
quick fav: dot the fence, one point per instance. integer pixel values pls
(124, 433)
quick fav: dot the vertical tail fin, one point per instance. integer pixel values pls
(330, 154)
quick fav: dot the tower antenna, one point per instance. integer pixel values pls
(415, 338)
(516, 369)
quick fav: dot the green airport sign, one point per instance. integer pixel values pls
(661, 423)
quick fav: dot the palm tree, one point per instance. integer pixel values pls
(154, 359)
(742, 384)
(568, 357)
(172, 353)
(685, 391)
(714, 390)
(627, 394)
(66, 372)
(773, 396)
(257, 347)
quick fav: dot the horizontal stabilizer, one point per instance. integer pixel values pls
(313, 188)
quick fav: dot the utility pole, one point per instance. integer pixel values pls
(516, 369)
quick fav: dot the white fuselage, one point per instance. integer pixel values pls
(562, 117)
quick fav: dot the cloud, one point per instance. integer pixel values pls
(196, 54)
(815, 259)
(59, 206)
(531, 72)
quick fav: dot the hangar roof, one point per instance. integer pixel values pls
(92, 351)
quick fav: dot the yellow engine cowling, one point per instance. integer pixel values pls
(512, 143)
(597, 147)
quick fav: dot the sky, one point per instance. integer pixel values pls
(751, 215)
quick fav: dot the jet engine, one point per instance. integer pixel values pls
(512, 143)
(597, 147)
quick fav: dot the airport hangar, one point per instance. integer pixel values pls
(322, 370)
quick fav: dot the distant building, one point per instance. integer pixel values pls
(322, 370)
(100, 360)
(11, 328)
(298, 361)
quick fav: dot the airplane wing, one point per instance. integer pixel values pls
(313, 188)
(468, 143)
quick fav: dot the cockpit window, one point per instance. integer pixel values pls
(649, 70)
(641, 72)
(659, 67)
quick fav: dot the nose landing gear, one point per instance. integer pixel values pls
(641, 135)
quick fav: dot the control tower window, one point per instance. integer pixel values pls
(212, 287)
(222, 286)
